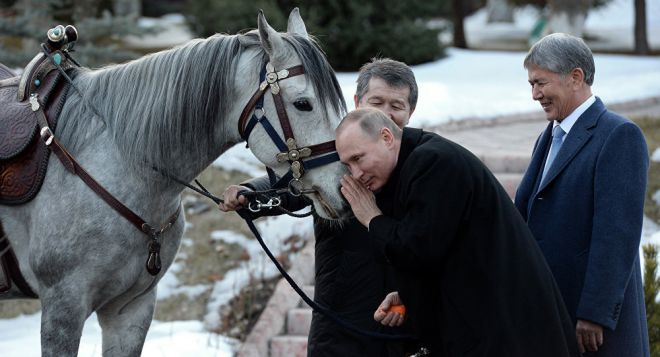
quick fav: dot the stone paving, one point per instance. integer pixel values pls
(503, 143)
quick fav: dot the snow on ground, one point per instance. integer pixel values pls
(608, 28)
(274, 231)
(484, 84)
(651, 232)
(656, 155)
(239, 158)
(466, 84)
(20, 337)
(166, 31)
(600, 23)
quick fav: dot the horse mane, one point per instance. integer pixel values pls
(191, 85)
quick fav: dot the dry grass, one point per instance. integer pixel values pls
(243, 311)
(14, 308)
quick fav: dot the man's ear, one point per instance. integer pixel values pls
(386, 135)
(356, 101)
(577, 75)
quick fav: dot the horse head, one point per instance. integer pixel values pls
(302, 102)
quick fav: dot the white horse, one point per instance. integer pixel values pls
(176, 110)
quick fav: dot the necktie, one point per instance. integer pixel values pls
(557, 135)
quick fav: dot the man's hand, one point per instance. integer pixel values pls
(362, 201)
(589, 336)
(387, 317)
(232, 200)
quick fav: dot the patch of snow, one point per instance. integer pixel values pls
(239, 158)
(656, 155)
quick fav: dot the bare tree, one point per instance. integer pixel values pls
(641, 41)
(458, 15)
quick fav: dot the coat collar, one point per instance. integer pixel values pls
(575, 140)
(409, 141)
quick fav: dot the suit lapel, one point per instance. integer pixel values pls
(575, 140)
(536, 163)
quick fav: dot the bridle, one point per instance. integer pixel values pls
(314, 155)
(317, 155)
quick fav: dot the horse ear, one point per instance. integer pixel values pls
(296, 24)
(271, 40)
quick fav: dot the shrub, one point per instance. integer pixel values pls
(351, 32)
(651, 289)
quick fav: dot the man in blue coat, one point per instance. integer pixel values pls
(583, 198)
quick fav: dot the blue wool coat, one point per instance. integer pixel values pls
(587, 220)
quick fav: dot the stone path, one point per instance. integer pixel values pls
(503, 143)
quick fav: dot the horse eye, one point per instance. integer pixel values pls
(303, 105)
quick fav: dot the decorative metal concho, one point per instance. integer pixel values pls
(272, 77)
(295, 155)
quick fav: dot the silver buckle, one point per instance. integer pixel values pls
(256, 205)
(45, 131)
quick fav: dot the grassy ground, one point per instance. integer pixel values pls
(651, 128)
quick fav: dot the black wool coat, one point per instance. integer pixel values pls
(351, 281)
(472, 277)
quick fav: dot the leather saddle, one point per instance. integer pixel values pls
(23, 156)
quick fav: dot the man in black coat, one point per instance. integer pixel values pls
(472, 277)
(349, 279)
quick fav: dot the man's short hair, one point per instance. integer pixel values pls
(561, 53)
(396, 74)
(371, 121)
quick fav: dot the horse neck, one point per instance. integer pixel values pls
(176, 110)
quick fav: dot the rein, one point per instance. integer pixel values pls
(313, 304)
(290, 152)
(247, 217)
(294, 155)
(259, 200)
(325, 153)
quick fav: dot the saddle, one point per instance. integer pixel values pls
(23, 157)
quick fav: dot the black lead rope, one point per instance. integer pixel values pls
(245, 214)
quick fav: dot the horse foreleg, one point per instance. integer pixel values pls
(125, 327)
(62, 320)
